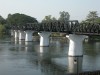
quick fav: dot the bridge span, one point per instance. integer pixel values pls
(76, 32)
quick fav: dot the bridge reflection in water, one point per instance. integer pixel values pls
(51, 64)
(75, 64)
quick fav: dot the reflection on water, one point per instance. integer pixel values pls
(44, 49)
(75, 64)
(28, 58)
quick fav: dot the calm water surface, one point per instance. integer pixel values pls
(28, 58)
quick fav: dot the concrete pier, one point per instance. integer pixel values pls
(21, 35)
(75, 45)
(16, 34)
(44, 38)
(28, 36)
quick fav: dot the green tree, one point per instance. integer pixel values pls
(2, 20)
(54, 19)
(2, 29)
(64, 16)
(97, 20)
(49, 18)
(92, 17)
(21, 19)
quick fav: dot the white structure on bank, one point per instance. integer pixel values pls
(44, 38)
(28, 36)
(21, 35)
(16, 34)
(12, 33)
(75, 45)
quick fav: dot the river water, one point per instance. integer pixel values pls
(28, 58)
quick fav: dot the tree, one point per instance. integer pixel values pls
(2, 29)
(92, 17)
(2, 20)
(64, 16)
(54, 19)
(49, 18)
(97, 20)
(19, 19)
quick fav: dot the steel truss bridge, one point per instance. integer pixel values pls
(68, 27)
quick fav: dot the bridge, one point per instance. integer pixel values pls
(75, 32)
(69, 27)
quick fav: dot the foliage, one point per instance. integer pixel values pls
(49, 18)
(64, 16)
(97, 20)
(92, 17)
(2, 20)
(55, 34)
(21, 19)
(2, 29)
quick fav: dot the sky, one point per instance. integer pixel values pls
(78, 9)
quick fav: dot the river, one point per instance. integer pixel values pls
(28, 58)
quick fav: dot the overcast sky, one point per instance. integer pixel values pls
(78, 9)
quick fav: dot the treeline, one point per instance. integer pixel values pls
(92, 17)
(14, 19)
(22, 19)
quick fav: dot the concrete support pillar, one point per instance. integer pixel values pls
(16, 34)
(12, 33)
(75, 45)
(44, 38)
(21, 35)
(28, 36)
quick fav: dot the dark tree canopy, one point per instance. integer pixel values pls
(2, 20)
(20, 19)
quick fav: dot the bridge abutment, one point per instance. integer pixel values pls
(44, 38)
(28, 36)
(75, 45)
(21, 35)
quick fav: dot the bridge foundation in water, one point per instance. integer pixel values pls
(44, 38)
(75, 45)
(21, 35)
(28, 36)
(16, 34)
